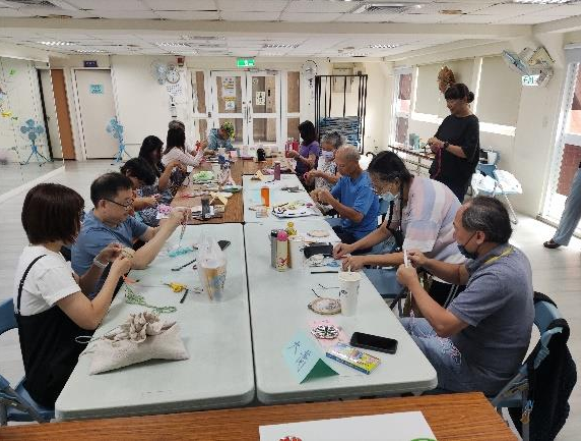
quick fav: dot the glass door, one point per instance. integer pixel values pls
(200, 98)
(567, 154)
(263, 115)
(229, 103)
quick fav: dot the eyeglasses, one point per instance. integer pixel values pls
(127, 206)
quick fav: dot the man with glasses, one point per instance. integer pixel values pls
(110, 222)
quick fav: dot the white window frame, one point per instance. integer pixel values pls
(394, 111)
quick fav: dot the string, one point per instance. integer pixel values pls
(133, 298)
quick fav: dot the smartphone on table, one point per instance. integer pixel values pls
(373, 342)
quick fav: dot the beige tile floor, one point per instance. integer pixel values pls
(556, 273)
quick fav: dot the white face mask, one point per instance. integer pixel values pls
(329, 156)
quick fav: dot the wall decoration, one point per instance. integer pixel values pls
(446, 78)
(260, 98)
(96, 89)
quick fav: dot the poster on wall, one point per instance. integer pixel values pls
(228, 87)
(260, 98)
(230, 104)
(96, 89)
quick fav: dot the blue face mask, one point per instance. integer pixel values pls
(468, 254)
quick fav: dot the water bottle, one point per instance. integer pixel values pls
(277, 170)
(282, 251)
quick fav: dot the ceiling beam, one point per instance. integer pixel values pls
(569, 24)
(278, 29)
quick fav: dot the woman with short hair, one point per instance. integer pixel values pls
(326, 175)
(50, 306)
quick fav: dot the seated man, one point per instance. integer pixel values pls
(352, 198)
(110, 222)
(479, 342)
(218, 138)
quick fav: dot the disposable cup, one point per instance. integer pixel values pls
(349, 291)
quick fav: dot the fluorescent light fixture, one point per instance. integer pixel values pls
(56, 43)
(89, 51)
(542, 2)
(280, 46)
(173, 45)
(383, 46)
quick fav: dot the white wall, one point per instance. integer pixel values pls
(21, 102)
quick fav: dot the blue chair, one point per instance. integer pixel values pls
(17, 404)
(515, 393)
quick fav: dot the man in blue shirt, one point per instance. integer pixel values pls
(352, 198)
(110, 222)
(218, 138)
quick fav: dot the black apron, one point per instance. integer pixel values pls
(49, 350)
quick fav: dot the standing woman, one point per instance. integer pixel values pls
(309, 151)
(50, 307)
(456, 144)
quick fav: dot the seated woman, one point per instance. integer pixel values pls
(140, 174)
(326, 175)
(175, 150)
(309, 151)
(167, 178)
(421, 218)
(50, 307)
(219, 138)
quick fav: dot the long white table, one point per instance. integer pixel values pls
(279, 309)
(252, 198)
(219, 372)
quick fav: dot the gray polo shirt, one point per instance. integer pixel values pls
(498, 307)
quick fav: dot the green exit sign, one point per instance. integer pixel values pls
(245, 62)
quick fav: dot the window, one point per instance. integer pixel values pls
(402, 99)
(567, 154)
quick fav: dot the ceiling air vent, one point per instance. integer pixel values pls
(383, 8)
(32, 3)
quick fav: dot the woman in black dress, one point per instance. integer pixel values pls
(456, 144)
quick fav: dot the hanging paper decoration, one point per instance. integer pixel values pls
(446, 78)
(116, 129)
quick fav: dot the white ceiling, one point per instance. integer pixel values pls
(81, 21)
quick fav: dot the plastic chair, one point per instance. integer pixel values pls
(16, 404)
(515, 393)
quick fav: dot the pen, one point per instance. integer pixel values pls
(324, 272)
(184, 296)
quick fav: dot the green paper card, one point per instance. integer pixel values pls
(305, 359)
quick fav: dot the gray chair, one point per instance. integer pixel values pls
(15, 403)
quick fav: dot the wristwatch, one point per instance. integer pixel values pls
(446, 145)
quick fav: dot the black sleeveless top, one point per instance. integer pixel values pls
(49, 350)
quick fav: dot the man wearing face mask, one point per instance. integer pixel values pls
(420, 217)
(480, 340)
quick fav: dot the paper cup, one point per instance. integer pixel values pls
(297, 255)
(233, 154)
(349, 291)
(216, 169)
(213, 280)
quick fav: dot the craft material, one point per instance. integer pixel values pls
(179, 268)
(327, 332)
(261, 212)
(265, 196)
(354, 358)
(325, 306)
(128, 252)
(324, 272)
(349, 292)
(406, 260)
(277, 170)
(133, 298)
(206, 209)
(318, 233)
(290, 229)
(180, 251)
(176, 287)
(184, 296)
(282, 251)
(295, 189)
